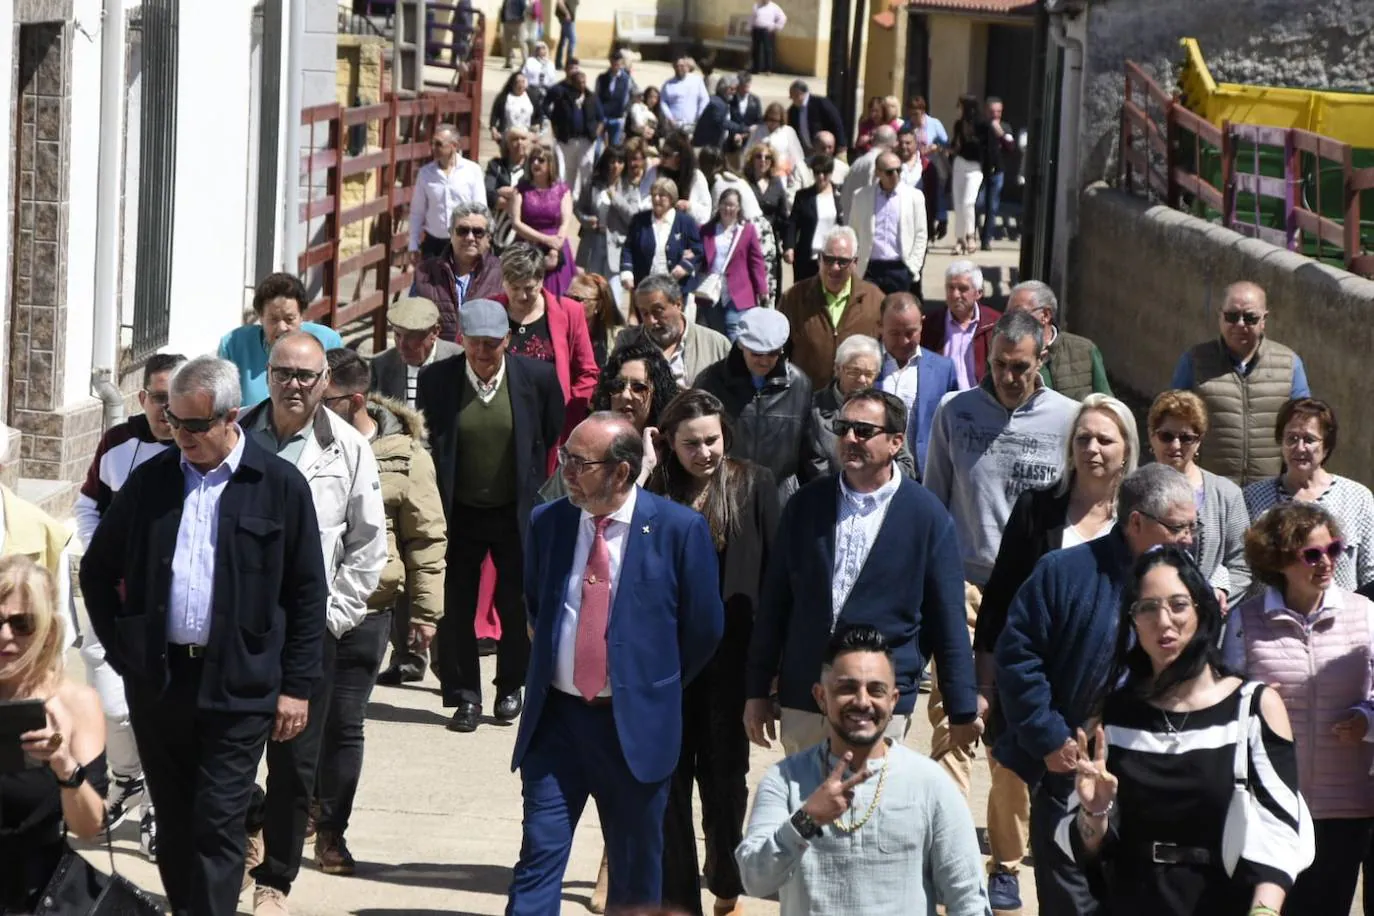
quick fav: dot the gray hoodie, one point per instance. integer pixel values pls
(983, 456)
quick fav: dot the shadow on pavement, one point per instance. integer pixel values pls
(477, 879)
(385, 712)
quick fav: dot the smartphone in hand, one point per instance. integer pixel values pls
(18, 717)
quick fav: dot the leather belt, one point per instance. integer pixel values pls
(1171, 854)
(180, 650)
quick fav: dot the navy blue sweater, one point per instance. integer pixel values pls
(1055, 652)
(911, 589)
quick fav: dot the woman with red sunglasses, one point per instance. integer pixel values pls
(1310, 639)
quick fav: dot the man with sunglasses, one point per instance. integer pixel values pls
(123, 448)
(863, 172)
(826, 310)
(492, 417)
(443, 183)
(415, 328)
(890, 218)
(1244, 378)
(339, 467)
(206, 583)
(465, 270)
(867, 544)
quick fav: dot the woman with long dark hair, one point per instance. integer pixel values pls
(514, 107)
(971, 142)
(593, 213)
(1170, 718)
(739, 501)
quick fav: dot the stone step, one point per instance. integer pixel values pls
(54, 497)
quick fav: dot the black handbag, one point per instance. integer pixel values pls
(78, 888)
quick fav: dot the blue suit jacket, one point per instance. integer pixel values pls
(935, 378)
(637, 256)
(665, 623)
(911, 588)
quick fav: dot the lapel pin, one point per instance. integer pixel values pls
(646, 529)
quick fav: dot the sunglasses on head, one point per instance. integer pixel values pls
(20, 624)
(1169, 438)
(191, 424)
(861, 430)
(1250, 318)
(617, 385)
(1333, 552)
(476, 232)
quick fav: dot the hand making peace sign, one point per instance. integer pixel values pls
(1096, 786)
(834, 796)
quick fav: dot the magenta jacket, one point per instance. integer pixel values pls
(746, 276)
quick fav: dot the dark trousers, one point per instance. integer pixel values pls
(989, 204)
(431, 246)
(200, 768)
(1328, 885)
(715, 754)
(472, 533)
(356, 665)
(762, 50)
(574, 754)
(1061, 887)
(890, 276)
(291, 768)
(935, 200)
(804, 267)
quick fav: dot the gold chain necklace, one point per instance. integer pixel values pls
(854, 825)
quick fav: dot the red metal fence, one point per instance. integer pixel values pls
(368, 185)
(1171, 154)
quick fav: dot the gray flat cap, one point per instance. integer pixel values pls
(483, 318)
(413, 313)
(763, 330)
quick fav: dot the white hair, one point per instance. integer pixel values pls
(1125, 423)
(965, 268)
(210, 375)
(841, 232)
(1041, 294)
(857, 345)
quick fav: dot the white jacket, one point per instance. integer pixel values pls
(342, 472)
(911, 226)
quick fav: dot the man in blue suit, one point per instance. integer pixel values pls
(918, 376)
(665, 232)
(622, 592)
(716, 127)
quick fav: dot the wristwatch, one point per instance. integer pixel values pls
(74, 782)
(806, 825)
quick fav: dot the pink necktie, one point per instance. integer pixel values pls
(589, 659)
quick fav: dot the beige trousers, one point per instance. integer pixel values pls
(800, 730)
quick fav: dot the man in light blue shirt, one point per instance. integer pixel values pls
(193, 562)
(684, 97)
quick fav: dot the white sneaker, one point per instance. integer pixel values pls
(147, 834)
(125, 796)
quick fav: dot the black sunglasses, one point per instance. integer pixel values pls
(195, 425)
(831, 260)
(1169, 438)
(20, 624)
(892, 171)
(476, 232)
(617, 385)
(1250, 318)
(306, 378)
(861, 430)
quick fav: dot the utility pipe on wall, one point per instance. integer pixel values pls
(1068, 30)
(291, 147)
(105, 339)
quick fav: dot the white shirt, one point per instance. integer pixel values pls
(827, 218)
(860, 518)
(767, 16)
(663, 228)
(519, 111)
(437, 193)
(1072, 538)
(616, 535)
(903, 382)
(840, 173)
(485, 390)
(540, 73)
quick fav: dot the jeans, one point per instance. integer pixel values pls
(567, 38)
(356, 665)
(990, 203)
(722, 318)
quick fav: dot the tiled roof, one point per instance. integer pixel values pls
(1000, 7)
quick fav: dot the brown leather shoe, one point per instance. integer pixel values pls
(729, 908)
(332, 855)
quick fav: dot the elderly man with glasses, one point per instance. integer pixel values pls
(1244, 378)
(338, 464)
(443, 183)
(492, 417)
(466, 269)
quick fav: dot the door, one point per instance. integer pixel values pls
(1008, 76)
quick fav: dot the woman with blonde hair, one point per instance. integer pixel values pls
(65, 780)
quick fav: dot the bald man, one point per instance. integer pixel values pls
(338, 464)
(863, 172)
(1244, 377)
(443, 183)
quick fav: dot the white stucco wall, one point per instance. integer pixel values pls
(83, 168)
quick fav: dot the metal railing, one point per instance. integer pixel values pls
(1288, 186)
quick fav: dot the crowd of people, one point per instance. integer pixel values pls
(689, 510)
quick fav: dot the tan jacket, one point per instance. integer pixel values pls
(416, 534)
(814, 335)
(31, 531)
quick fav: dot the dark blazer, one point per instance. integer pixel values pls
(389, 372)
(617, 104)
(536, 409)
(498, 176)
(911, 588)
(933, 335)
(802, 227)
(715, 124)
(1035, 527)
(665, 623)
(935, 378)
(559, 106)
(270, 589)
(637, 254)
(821, 114)
(747, 109)
(744, 561)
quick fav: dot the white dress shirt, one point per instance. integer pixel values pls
(616, 534)
(903, 382)
(856, 528)
(191, 600)
(436, 194)
(768, 16)
(485, 390)
(827, 218)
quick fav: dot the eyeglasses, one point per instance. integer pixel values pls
(578, 464)
(160, 398)
(897, 170)
(476, 232)
(1250, 318)
(1333, 552)
(833, 260)
(20, 624)
(617, 385)
(197, 425)
(1174, 528)
(764, 157)
(861, 430)
(306, 378)
(1294, 440)
(858, 375)
(1169, 438)
(1176, 605)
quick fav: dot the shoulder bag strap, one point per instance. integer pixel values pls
(730, 252)
(1241, 764)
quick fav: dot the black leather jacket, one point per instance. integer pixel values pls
(771, 423)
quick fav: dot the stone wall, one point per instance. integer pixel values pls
(359, 74)
(1328, 45)
(1151, 280)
